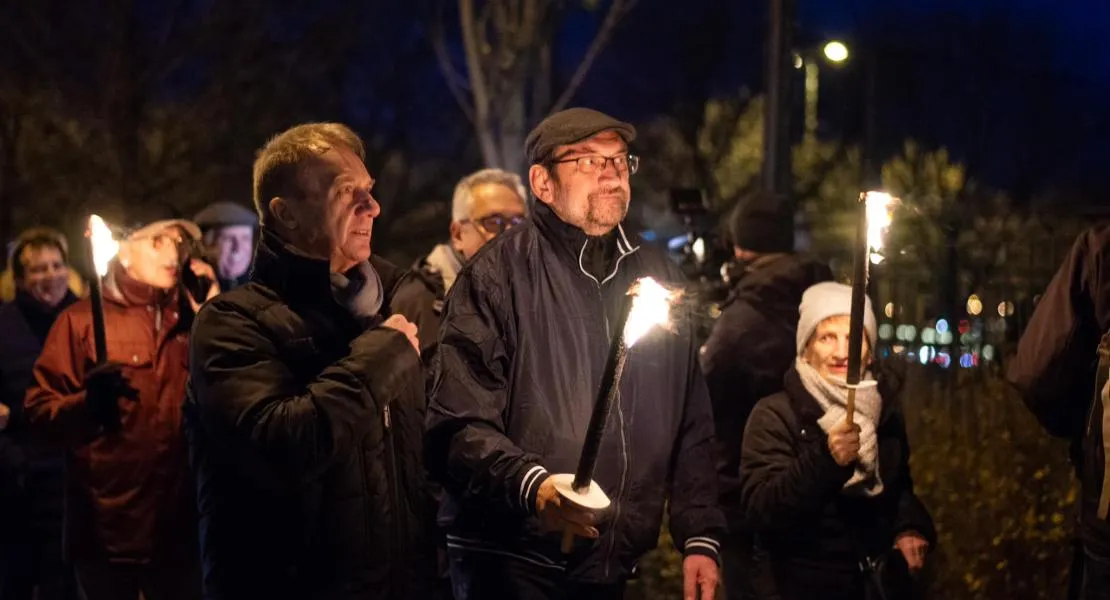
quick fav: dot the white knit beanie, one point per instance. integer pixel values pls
(830, 299)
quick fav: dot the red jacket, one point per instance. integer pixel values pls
(128, 494)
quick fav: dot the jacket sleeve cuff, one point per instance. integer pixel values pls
(703, 546)
(532, 475)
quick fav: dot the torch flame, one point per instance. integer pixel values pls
(879, 216)
(104, 246)
(651, 306)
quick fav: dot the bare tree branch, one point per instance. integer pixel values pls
(617, 10)
(455, 81)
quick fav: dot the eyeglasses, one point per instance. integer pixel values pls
(593, 163)
(163, 240)
(497, 223)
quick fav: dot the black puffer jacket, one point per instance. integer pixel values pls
(523, 346)
(306, 436)
(748, 353)
(811, 537)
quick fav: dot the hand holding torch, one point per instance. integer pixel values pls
(647, 305)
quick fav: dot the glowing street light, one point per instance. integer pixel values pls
(974, 305)
(836, 51)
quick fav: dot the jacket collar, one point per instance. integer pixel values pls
(572, 242)
(125, 290)
(294, 274)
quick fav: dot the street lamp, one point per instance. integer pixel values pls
(835, 52)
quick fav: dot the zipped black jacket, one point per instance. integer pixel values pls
(522, 348)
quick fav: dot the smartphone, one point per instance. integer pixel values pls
(196, 286)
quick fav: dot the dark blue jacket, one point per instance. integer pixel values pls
(522, 349)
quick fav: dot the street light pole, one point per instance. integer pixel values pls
(812, 98)
(776, 116)
(835, 52)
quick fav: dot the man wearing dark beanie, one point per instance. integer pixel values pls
(752, 346)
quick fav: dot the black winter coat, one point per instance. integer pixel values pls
(420, 298)
(305, 430)
(523, 345)
(748, 353)
(32, 480)
(809, 535)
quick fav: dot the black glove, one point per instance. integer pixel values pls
(104, 386)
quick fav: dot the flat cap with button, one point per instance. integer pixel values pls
(570, 126)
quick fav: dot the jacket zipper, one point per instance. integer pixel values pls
(612, 544)
(395, 496)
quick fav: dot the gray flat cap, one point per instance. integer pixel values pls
(222, 214)
(570, 126)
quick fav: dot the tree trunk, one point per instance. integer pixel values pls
(483, 126)
(541, 82)
(512, 132)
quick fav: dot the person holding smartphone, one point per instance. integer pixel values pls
(130, 524)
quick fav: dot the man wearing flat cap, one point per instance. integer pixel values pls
(523, 345)
(228, 236)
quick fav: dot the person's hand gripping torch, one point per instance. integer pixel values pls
(104, 248)
(875, 215)
(648, 304)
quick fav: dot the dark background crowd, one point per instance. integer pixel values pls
(987, 119)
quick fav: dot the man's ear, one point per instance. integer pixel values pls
(456, 235)
(543, 186)
(283, 213)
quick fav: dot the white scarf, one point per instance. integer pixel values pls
(447, 262)
(832, 395)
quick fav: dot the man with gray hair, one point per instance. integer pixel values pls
(306, 397)
(486, 204)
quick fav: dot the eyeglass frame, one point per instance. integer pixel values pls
(478, 222)
(633, 163)
(181, 240)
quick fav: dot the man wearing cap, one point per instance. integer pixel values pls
(751, 347)
(227, 231)
(522, 348)
(130, 510)
(486, 204)
(31, 475)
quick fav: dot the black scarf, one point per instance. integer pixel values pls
(38, 315)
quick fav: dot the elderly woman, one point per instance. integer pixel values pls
(831, 500)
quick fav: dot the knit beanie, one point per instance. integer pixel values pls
(762, 223)
(830, 299)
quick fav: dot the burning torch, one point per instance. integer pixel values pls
(874, 214)
(103, 248)
(647, 305)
